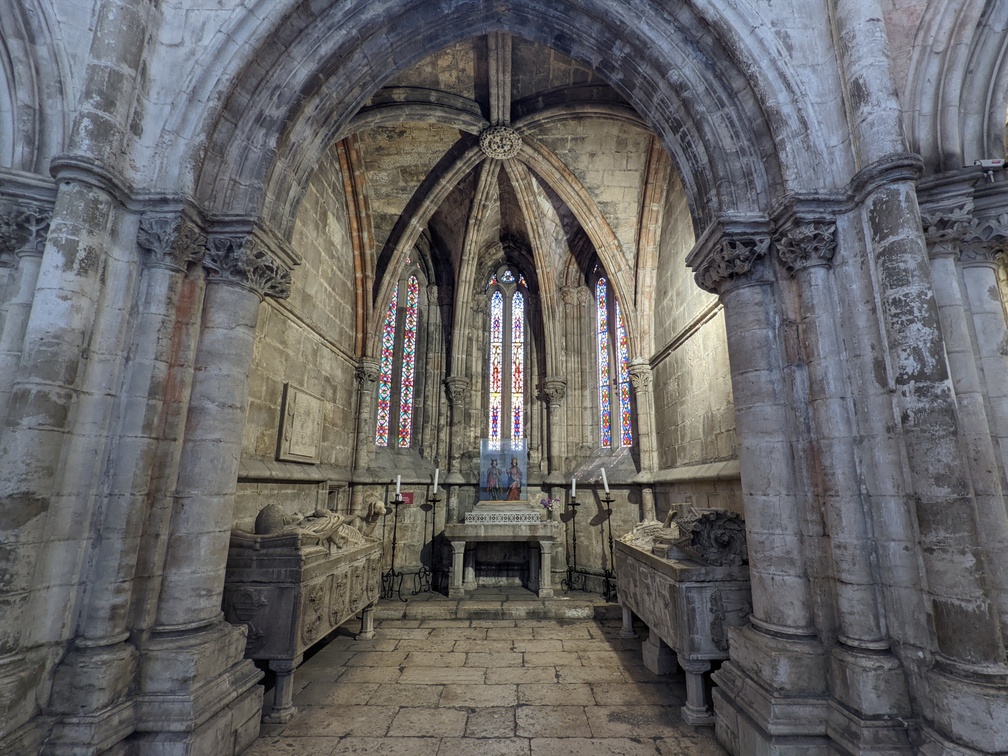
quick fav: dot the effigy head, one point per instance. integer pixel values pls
(270, 520)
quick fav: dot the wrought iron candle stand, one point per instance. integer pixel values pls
(575, 580)
(424, 576)
(388, 581)
(609, 594)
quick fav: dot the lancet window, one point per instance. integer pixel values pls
(508, 294)
(615, 416)
(398, 363)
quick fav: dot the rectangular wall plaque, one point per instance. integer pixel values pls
(300, 426)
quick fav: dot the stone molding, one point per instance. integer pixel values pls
(729, 258)
(170, 241)
(806, 243)
(244, 261)
(499, 142)
(457, 389)
(889, 170)
(554, 389)
(23, 229)
(367, 373)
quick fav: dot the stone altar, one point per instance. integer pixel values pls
(687, 581)
(295, 580)
(496, 523)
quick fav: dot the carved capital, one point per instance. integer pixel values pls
(984, 240)
(641, 376)
(569, 295)
(945, 229)
(245, 262)
(554, 389)
(729, 259)
(23, 230)
(170, 241)
(367, 372)
(807, 243)
(457, 389)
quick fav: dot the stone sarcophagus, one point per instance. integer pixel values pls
(688, 582)
(293, 582)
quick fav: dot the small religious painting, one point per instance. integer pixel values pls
(503, 471)
(407, 498)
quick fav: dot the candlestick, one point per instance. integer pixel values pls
(398, 481)
(436, 471)
(605, 481)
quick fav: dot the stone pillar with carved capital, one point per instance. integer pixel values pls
(806, 248)
(735, 264)
(457, 389)
(189, 632)
(964, 248)
(366, 375)
(554, 389)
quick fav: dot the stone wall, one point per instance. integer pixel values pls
(694, 414)
(306, 341)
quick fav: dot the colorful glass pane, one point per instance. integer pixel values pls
(408, 363)
(385, 371)
(517, 366)
(507, 276)
(623, 354)
(496, 366)
(602, 343)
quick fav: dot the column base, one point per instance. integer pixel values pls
(771, 696)
(973, 708)
(91, 699)
(198, 694)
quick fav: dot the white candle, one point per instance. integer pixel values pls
(573, 488)
(436, 472)
(605, 481)
(398, 481)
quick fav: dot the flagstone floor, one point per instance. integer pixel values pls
(454, 687)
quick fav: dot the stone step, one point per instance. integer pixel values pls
(437, 606)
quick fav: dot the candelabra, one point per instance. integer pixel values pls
(425, 575)
(609, 593)
(575, 579)
(389, 585)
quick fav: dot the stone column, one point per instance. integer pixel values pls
(191, 648)
(647, 439)
(947, 236)
(366, 374)
(545, 569)
(554, 389)
(101, 658)
(575, 363)
(26, 229)
(455, 589)
(457, 389)
(777, 661)
(865, 676)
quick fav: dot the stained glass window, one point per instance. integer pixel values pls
(496, 366)
(408, 363)
(385, 371)
(613, 358)
(506, 366)
(517, 365)
(623, 369)
(602, 344)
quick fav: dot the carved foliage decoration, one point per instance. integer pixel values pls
(457, 388)
(945, 228)
(245, 606)
(554, 389)
(730, 259)
(170, 241)
(499, 142)
(713, 536)
(640, 376)
(23, 229)
(313, 611)
(984, 240)
(245, 261)
(807, 243)
(367, 373)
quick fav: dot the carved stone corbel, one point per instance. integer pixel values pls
(730, 257)
(806, 243)
(245, 262)
(170, 241)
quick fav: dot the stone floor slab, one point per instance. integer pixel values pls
(387, 747)
(405, 695)
(491, 722)
(594, 747)
(318, 721)
(417, 721)
(632, 721)
(433, 659)
(555, 694)
(484, 747)
(501, 659)
(520, 675)
(552, 722)
(476, 696)
(306, 746)
(442, 675)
